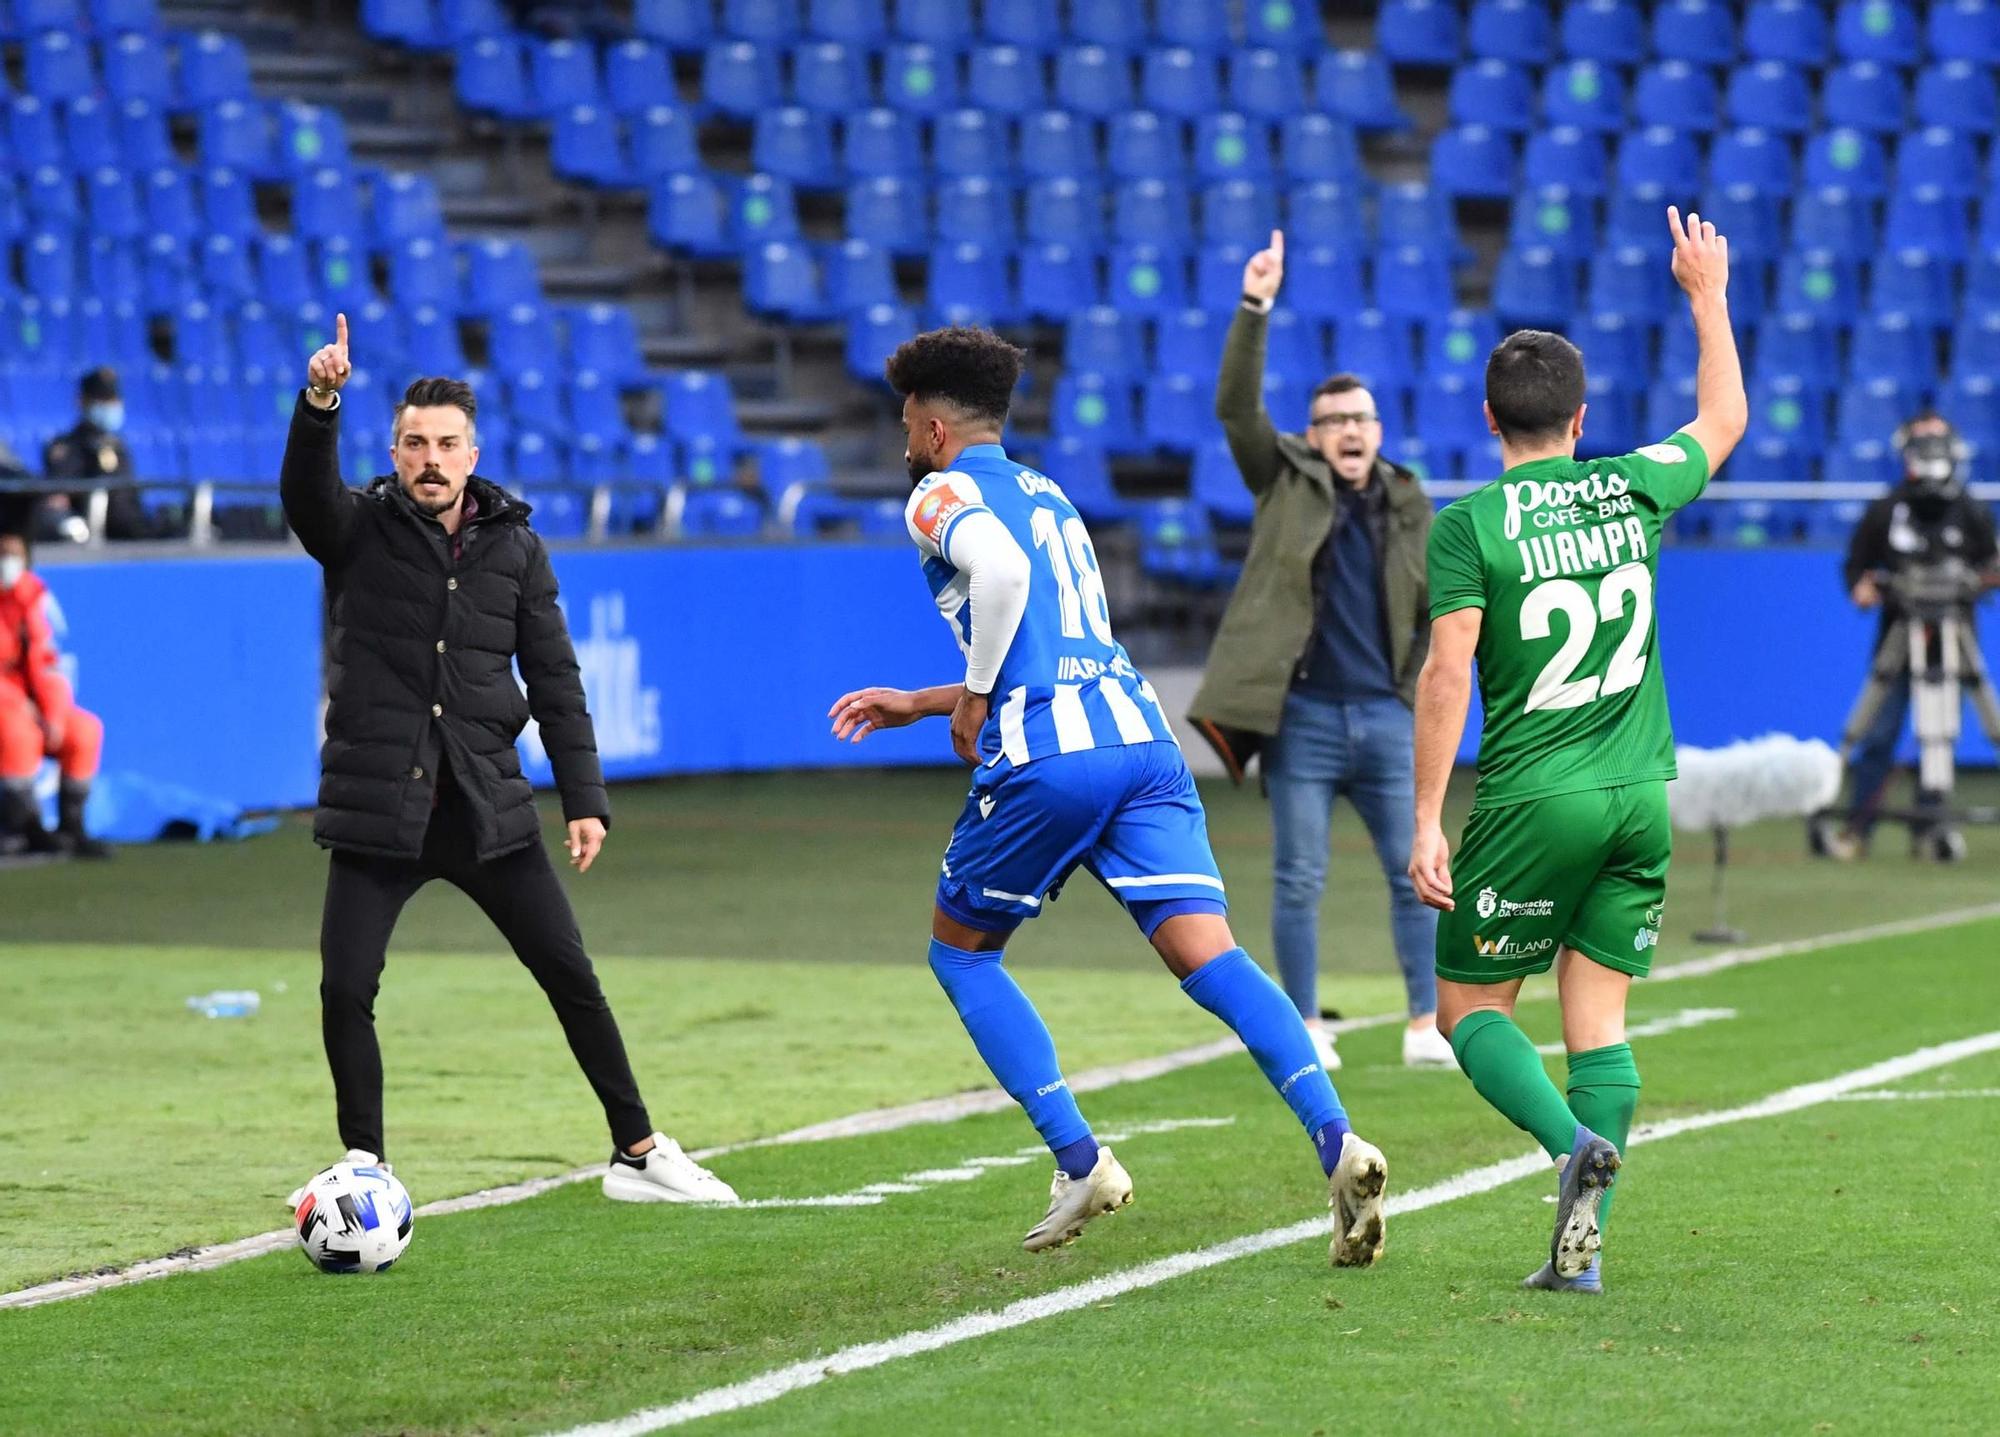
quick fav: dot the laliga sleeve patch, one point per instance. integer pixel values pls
(936, 506)
(1664, 453)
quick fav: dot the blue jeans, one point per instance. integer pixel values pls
(1366, 752)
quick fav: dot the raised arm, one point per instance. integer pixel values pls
(320, 509)
(1239, 388)
(1701, 266)
(1444, 691)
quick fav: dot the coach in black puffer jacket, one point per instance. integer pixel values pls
(421, 678)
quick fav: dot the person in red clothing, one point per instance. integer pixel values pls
(38, 716)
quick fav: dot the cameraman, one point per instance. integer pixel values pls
(1926, 520)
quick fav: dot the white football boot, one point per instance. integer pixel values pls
(663, 1174)
(1427, 1048)
(1075, 1201)
(355, 1156)
(1322, 1037)
(1354, 1191)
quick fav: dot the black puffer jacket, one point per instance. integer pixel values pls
(421, 668)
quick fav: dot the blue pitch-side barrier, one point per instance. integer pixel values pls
(207, 670)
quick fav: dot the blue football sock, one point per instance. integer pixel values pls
(1016, 1045)
(1242, 995)
(1078, 1158)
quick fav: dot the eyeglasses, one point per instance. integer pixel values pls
(1341, 421)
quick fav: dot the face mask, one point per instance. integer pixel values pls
(108, 415)
(12, 568)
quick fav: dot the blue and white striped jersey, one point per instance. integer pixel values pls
(1065, 683)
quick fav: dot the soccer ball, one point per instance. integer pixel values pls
(354, 1219)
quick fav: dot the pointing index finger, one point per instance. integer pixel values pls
(340, 334)
(1674, 223)
(1278, 245)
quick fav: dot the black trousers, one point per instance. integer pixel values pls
(523, 896)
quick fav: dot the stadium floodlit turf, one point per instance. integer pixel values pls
(1819, 1270)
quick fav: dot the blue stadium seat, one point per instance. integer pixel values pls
(969, 142)
(1176, 413)
(340, 273)
(111, 266)
(48, 263)
(536, 464)
(1801, 345)
(857, 22)
(1658, 156)
(919, 78)
(1616, 347)
(1749, 216)
(587, 144)
(406, 206)
(1418, 32)
(1032, 24)
(1963, 30)
(1149, 279)
(1189, 341)
(1474, 162)
(1094, 408)
(663, 144)
(881, 141)
(1958, 95)
(976, 208)
(739, 78)
(1182, 83)
(1914, 282)
(1519, 31)
(1414, 283)
(1323, 208)
(1218, 277)
(783, 464)
(1792, 31)
(1287, 25)
(1356, 86)
(228, 204)
(52, 199)
(1266, 84)
(170, 204)
(1848, 159)
(1295, 346)
(34, 136)
(1197, 24)
(685, 213)
(779, 277)
(238, 136)
(1495, 94)
(327, 205)
(111, 204)
(1861, 461)
(1701, 32)
(638, 74)
(1877, 30)
(1679, 95)
(1788, 410)
(604, 337)
(1093, 81)
(1566, 155)
(761, 208)
(968, 284)
(284, 280)
(58, 66)
(499, 274)
(310, 137)
(1215, 483)
(1975, 342)
(1459, 343)
(683, 25)
(1379, 347)
(142, 140)
(1752, 157)
(795, 144)
(1613, 425)
(1005, 80)
(1927, 219)
(701, 406)
(1325, 279)
(1611, 32)
(1982, 279)
(1893, 346)
(1872, 409)
(1632, 282)
(492, 77)
(562, 73)
(1821, 283)
(890, 212)
(773, 21)
(872, 336)
(828, 77)
(422, 270)
(1670, 403)
(89, 137)
(136, 67)
(1101, 340)
(1939, 158)
(1177, 545)
(1864, 95)
(1972, 401)
(1830, 217)
(1447, 414)
(1142, 145)
(1586, 94)
(1064, 211)
(464, 20)
(1111, 23)
(1236, 212)
(1771, 96)
(1055, 144)
(1154, 211)
(1555, 217)
(1229, 146)
(1057, 279)
(1634, 212)
(116, 17)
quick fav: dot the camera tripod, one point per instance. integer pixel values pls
(1932, 646)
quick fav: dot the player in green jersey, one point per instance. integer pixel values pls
(1547, 576)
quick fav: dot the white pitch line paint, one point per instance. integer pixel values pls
(1920, 1095)
(783, 1381)
(940, 1110)
(1654, 1027)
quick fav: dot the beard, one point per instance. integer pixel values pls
(431, 506)
(920, 467)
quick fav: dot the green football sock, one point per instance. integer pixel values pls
(1604, 1093)
(1508, 1073)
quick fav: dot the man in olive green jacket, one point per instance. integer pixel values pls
(1315, 663)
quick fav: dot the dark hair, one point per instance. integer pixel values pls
(435, 393)
(1534, 385)
(1341, 383)
(974, 370)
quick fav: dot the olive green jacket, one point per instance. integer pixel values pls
(1268, 626)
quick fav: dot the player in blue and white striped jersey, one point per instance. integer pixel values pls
(1075, 766)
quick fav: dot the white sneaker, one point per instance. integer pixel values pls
(1075, 1201)
(663, 1174)
(355, 1156)
(1427, 1048)
(1329, 1056)
(1354, 1191)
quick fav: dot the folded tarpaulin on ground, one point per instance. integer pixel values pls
(131, 808)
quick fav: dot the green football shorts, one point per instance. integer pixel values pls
(1581, 870)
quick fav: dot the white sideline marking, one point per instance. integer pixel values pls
(938, 1110)
(782, 1381)
(1920, 1094)
(1654, 1027)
